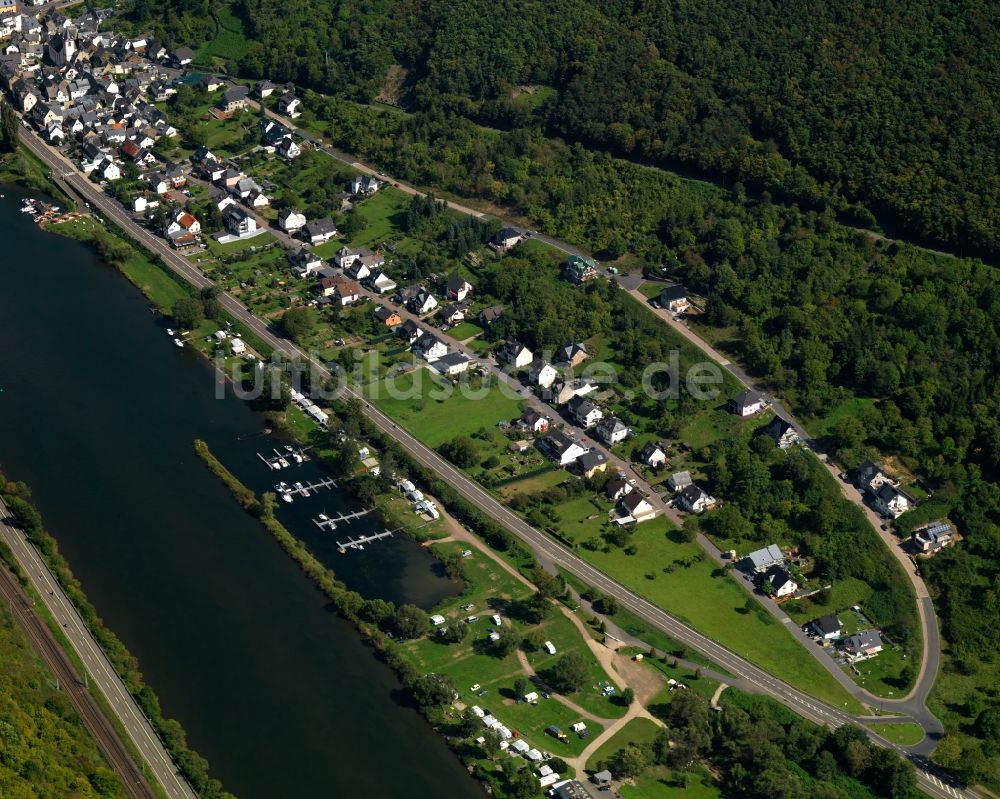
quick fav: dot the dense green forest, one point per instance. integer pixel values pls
(44, 748)
(887, 108)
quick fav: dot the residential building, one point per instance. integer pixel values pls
(591, 463)
(695, 500)
(781, 432)
(365, 185)
(617, 487)
(490, 315)
(654, 455)
(746, 403)
(291, 220)
(580, 270)
(288, 105)
(458, 288)
(506, 238)
(611, 430)
(674, 299)
(585, 412)
(341, 290)
(932, 537)
(423, 303)
(430, 347)
(452, 363)
(319, 231)
(678, 481)
(514, 354)
(864, 644)
(892, 501)
(534, 422)
(636, 507)
(827, 627)
(561, 448)
(760, 560)
(542, 373)
(234, 99)
(387, 316)
(305, 263)
(779, 583)
(571, 354)
(238, 221)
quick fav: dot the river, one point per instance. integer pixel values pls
(98, 411)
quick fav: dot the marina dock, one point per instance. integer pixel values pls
(330, 523)
(309, 488)
(359, 543)
(283, 459)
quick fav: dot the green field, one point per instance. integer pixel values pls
(230, 41)
(636, 732)
(464, 331)
(716, 606)
(660, 782)
(385, 213)
(904, 734)
(435, 421)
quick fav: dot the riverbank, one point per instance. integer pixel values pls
(27, 517)
(22, 168)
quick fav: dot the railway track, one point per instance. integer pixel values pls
(48, 649)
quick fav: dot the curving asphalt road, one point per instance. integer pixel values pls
(931, 781)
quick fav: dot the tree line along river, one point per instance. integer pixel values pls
(98, 411)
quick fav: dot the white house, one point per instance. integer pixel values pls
(239, 222)
(430, 347)
(746, 403)
(780, 582)
(636, 507)
(562, 448)
(827, 627)
(542, 373)
(305, 263)
(452, 363)
(695, 500)
(238, 346)
(586, 413)
(654, 456)
(675, 299)
(514, 354)
(611, 430)
(291, 220)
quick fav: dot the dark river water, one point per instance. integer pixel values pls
(98, 411)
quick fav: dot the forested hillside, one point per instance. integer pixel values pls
(45, 751)
(891, 106)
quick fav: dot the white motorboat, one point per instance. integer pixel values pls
(178, 342)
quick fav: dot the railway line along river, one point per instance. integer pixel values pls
(98, 411)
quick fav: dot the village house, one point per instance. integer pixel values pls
(364, 186)
(452, 363)
(678, 481)
(674, 299)
(234, 99)
(387, 316)
(319, 231)
(746, 403)
(592, 462)
(506, 238)
(489, 316)
(634, 507)
(182, 56)
(291, 220)
(305, 263)
(778, 582)
(288, 105)
(542, 373)
(533, 422)
(561, 448)
(379, 281)
(781, 432)
(430, 347)
(611, 430)
(409, 331)
(181, 223)
(826, 628)
(263, 89)
(654, 456)
(561, 393)
(458, 288)
(571, 354)
(862, 645)
(579, 270)
(883, 491)
(760, 560)
(423, 303)
(511, 353)
(695, 500)
(452, 314)
(585, 412)
(933, 537)
(287, 148)
(239, 222)
(339, 289)
(617, 487)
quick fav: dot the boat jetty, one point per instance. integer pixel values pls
(359, 543)
(288, 493)
(282, 459)
(324, 522)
